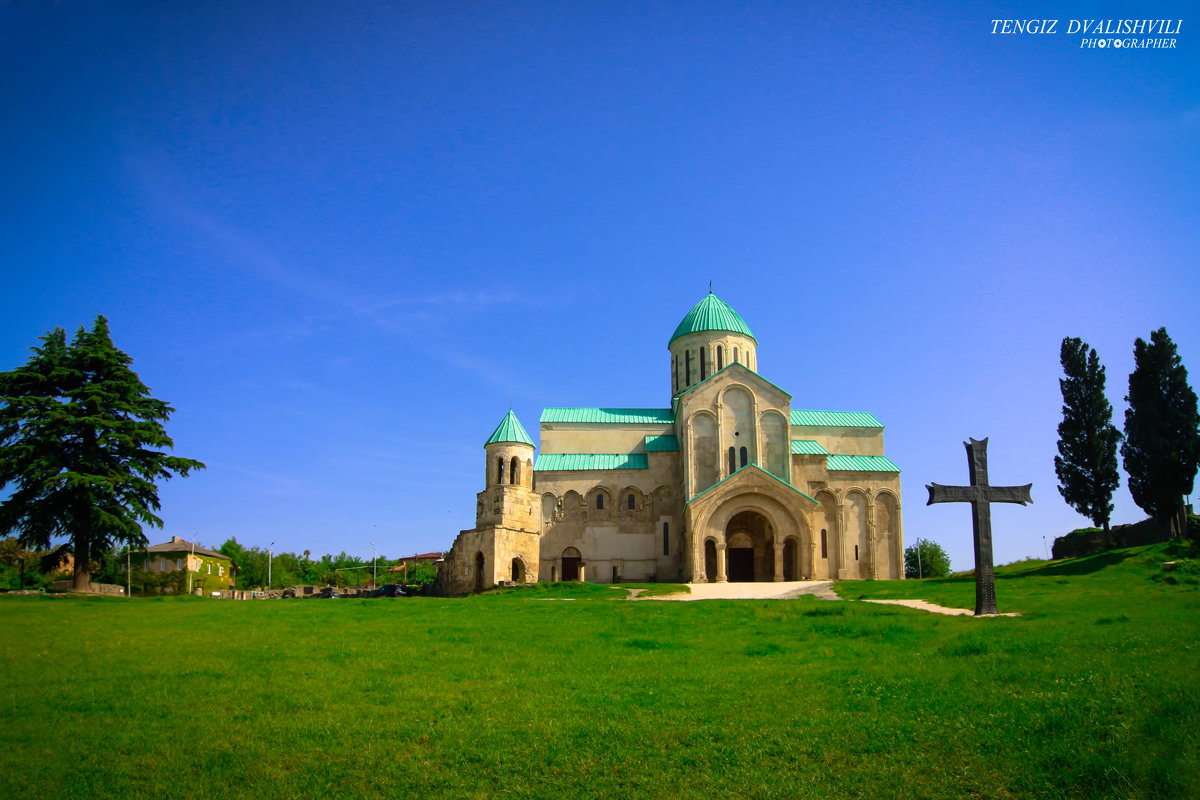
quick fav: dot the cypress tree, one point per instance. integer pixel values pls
(1162, 432)
(1086, 464)
(81, 443)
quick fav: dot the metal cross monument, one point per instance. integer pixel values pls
(980, 495)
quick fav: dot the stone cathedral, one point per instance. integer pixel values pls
(731, 483)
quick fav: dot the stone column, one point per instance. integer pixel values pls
(778, 561)
(840, 540)
(871, 536)
(582, 567)
(721, 575)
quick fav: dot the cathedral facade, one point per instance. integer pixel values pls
(731, 483)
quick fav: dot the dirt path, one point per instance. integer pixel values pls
(786, 590)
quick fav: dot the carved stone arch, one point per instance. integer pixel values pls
(599, 502)
(662, 501)
(776, 454)
(551, 510)
(702, 450)
(857, 536)
(826, 545)
(572, 504)
(889, 555)
(639, 500)
(739, 423)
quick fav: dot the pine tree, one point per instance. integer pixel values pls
(1086, 464)
(1162, 432)
(81, 443)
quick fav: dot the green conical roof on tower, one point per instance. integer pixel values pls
(712, 314)
(509, 430)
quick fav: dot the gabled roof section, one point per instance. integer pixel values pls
(834, 419)
(757, 468)
(712, 314)
(861, 464)
(611, 416)
(662, 443)
(808, 447)
(735, 365)
(587, 462)
(509, 430)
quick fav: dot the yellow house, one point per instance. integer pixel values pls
(209, 569)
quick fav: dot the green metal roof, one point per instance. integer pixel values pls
(861, 464)
(509, 430)
(611, 416)
(712, 314)
(835, 419)
(586, 462)
(662, 444)
(808, 447)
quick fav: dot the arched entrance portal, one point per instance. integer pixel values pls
(749, 548)
(570, 564)
(518, 570)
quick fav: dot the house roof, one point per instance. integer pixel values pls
(586, 462)
(509, 430)
(834, 419)
(712, 314)
(178, 545)
(612, 416)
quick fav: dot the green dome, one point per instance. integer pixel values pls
(712, 314)
(509, 430)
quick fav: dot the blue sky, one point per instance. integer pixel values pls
(342, 239)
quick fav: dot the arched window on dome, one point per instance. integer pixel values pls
(735, 355)
(703, 364)
(500, 471)
(720, 358)
(514, 470)
(687, 369)
(674, 374)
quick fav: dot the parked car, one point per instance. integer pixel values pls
(390, 590)
(328, 593)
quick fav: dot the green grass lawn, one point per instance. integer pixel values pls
(571, 691)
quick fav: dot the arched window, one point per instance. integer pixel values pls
(687, 368)
(720, 357)
(514, 471)
(631, 501)
(824, 544)
(674, 374)
(743, 455)
(703, 363)
(500, 470)
(856, 552)
(735, 355)
(732, 460)
(666, 539)
(599, 502)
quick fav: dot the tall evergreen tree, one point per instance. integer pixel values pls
(1086, 464)
(1162, 432)
(81, 443)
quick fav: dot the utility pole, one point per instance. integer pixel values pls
(269, 558)
(374, 572)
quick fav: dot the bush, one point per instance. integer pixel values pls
(926, 559)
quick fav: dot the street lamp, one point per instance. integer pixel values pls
(374, 573)
(269, 556)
